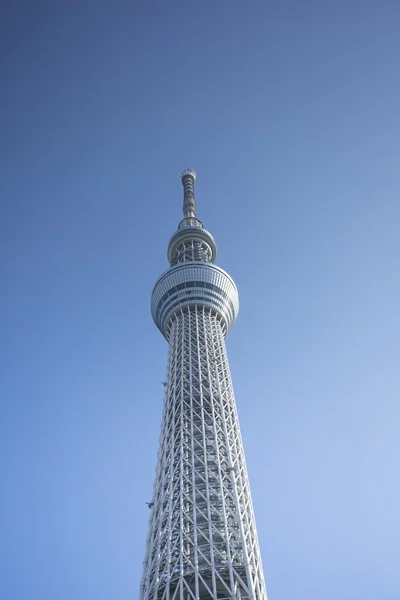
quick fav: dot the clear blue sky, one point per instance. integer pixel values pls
(290, 114)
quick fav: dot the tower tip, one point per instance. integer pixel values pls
(188, 172)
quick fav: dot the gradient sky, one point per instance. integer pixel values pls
(290, 114)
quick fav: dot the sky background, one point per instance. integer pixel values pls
(290, 114)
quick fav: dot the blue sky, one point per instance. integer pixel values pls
(289, 113)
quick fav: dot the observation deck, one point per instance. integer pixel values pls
(194, 283)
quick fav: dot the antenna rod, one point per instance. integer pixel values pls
(188, 177)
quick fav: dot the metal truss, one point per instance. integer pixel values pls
(191, 250)
(202, 542)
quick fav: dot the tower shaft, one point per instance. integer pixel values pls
(202, 542)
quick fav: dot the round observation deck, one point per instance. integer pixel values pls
(194, 283)
(186, 236)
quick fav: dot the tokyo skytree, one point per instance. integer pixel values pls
(202, 542)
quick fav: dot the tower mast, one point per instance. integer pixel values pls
(202, 542)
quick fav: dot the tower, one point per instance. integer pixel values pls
(202, 542)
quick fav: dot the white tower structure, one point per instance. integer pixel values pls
(202, 542)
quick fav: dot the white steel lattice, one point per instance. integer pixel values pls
(202, 542)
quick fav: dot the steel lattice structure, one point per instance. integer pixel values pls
(202, 542)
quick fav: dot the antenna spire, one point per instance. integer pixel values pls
(188, 177)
